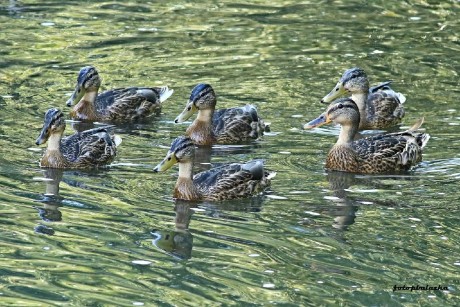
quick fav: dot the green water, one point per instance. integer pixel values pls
(116, 237)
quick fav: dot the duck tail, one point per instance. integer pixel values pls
(117, 140)
(165, 93)
(424, 139)
(417, 124)
(401, 98)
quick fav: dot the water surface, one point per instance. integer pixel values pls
(116, 236)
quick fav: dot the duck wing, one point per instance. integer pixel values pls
(237, 124)
(233, 180)
(131, 102)
(391, 152)
(94, 147)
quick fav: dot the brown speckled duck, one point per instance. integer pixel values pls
(87, 149)
(220, 183)
(380, 107)
(224, 126)
(121, 104)
(382, 153)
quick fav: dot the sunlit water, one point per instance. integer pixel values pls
(116, 236)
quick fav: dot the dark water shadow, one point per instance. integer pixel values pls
(178, 242)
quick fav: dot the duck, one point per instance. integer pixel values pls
(87, 149)
(380, 107)
(224, 126)
(228, 181)
(120, 104)
(382, 153)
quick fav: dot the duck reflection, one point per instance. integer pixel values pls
(345, 210)
(178, 242)
(51, 201)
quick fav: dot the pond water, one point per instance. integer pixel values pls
(116, 236)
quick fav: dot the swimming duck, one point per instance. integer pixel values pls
(220, 183)
(224, 126)
(380, 107)
(121, 104)
(382, 153)
(87, 149)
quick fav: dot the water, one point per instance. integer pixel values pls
(116, 236)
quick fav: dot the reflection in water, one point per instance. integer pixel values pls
(345, 210)
(51, 201)
(177, 242)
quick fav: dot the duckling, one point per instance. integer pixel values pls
(121, 104)
(220, 183)
(224, 126)
(380, 107)
(87, 149)
(381, 153)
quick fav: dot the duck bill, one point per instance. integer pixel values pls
(188, 111)
(43, 137)
(337, 91)
(167, 162)
(76, 95)
(323, 119)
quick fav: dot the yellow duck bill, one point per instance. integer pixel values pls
(190, 108)
(337, 91)
(167, 162)
(317, 122)
(76, 95)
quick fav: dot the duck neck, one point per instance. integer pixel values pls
(54, 142)
(185, 188)
(186, 170)
(53, 156)
(85, 109)
(347, 134)
(205, 115)
(360, 98)
(201, 129)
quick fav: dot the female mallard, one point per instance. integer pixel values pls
(377, 154)
(225, 126)
(87, 149)
(220, 183)
(121, 104)
(380, 107)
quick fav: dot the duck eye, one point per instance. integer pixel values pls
(340, 106)
(169, 158)
(189, 108)
(336, 89)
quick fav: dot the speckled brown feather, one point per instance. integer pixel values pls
(230, 181)
(201, 133)
(383, 110)
(236, 125)
(379, 154)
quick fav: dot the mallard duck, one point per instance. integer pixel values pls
(224, 126)
(87, 149)
(220, 183)
(382, 153)
(380, 107)
(121, 104)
